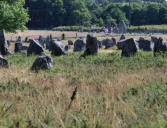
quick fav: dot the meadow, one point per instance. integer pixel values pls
(113, 91)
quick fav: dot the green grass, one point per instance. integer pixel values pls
(75, 28)
(148, 27)
(113, 91)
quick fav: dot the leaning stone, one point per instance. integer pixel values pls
(57, 48)
(34, 48)
(42, 63)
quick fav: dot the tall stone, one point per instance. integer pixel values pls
(41, 40)
(48, 42)
(160, 46)
(122, 27)
(92, 46)
(3, 44)
(18, 45)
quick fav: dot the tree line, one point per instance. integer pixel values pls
(52, 13)
(17, 14)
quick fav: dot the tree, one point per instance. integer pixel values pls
(12, 15)
(76, 13)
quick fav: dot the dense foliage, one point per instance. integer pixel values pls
(12, 15)
(52, 13)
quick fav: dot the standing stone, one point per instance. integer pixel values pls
(35, 48)
(122, 37)
(67, 48)
(42, 63)
(3, 44)
(160, 46)
(57, 48)
(145, 45)
(3, 62)
(129, 47)
(99, 43)
(48, 42)
(92, 46)
(122, 27)
(114, 40)
(41, 41)
(18, 45)
(108, 43)
(79, 45)
(8, 42)
(154, 39)
(26, 39)
(70, 42)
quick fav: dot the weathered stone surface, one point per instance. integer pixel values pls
(108, 43)
(114, 40)
(145, 45)
(48, 42)
(26, 39)
(3, 44)
(154, 39)
(3, 62)
(160, 46)
(122, 27)
(129, 47)
(42, 63)
(41, 41)
(70, 42)
(79, 45)
(122, 37)
(35, 48)
(92, 46)
(57, 48)
(99, 43)
(67, 47)
(18, 45)
(8, 42)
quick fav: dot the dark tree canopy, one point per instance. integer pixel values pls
(53, 13)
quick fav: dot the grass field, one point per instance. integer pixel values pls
(113, 92)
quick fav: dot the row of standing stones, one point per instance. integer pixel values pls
(90, 47)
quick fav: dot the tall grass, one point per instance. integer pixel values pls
(113, 91)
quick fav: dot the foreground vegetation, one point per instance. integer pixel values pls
(112, 92)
